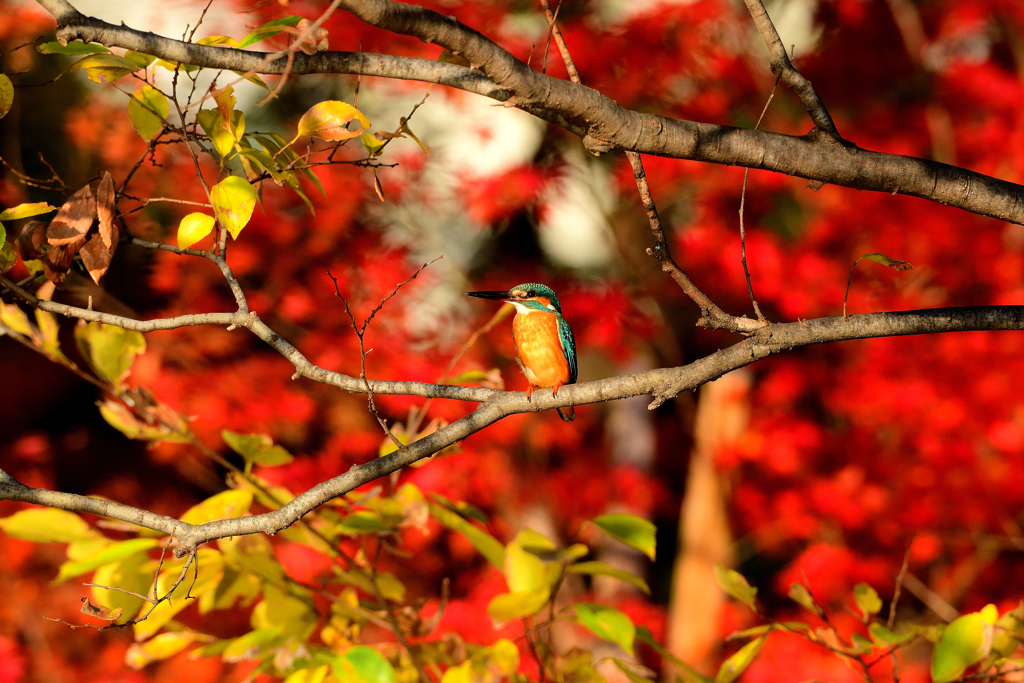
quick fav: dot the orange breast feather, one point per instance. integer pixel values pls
(539, 348)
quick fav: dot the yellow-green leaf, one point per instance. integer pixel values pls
(738, 663)
(867, 599)
(114, 552)
(122, 419)
(963, 643)
(735, 584)
(285, 611)
(371, 143)
(110, 350)
(233, 201)
(147, 111)
(218, 40)
(224, 505)
(799, 594)
(6, 95)
(268, 30)
(15, 318)
(26, 210)
(512, 605)
(159, 647)
(316, 675)
(7, 255)
(607, 623)
(75, 47)
(329, 121)
(258, 449)
(139, 59)
(524, 571)
(883, 637)
(193, 228)
(362, 664)
(364, 522)
(632, 530)
(102, 68)
(48, 525)
(888, 261)
(488, 545)
(596, 568)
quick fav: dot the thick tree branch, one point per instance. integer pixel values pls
(602, 123)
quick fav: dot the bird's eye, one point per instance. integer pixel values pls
(530, 294)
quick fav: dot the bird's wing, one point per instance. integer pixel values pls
(568, 347)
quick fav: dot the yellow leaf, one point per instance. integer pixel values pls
(102, 68)
(193, 228)
(6, 95)
(233, 201)
(147, 111)
(329, 121)
(156, 648)
(224, 505)
(48, 525)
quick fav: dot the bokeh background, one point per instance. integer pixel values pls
(829, 464)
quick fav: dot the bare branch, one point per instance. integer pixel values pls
(603, 124)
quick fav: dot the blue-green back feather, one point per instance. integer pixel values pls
(568, 346)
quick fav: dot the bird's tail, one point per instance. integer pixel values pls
(568, 416)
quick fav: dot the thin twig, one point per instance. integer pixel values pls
(899, 585)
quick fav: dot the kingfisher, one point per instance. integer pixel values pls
(545, 347)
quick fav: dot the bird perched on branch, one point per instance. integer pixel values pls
(545, 347)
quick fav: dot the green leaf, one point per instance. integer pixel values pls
(738, 663)
(26, 210)
(224, 505)
(362, 664)
(110, 350)
(258, 449)
(460, 508)
(114, 552)
(147, 111)
(799, 594)
(75, 47)
(48, 525)
(488, 545)
(372, 144)
(883, 637)
(607, 623)
(751, 632)
(364, 522)
(233, 201)
(269, 30)
(139, 59)
(509, 606)
(6, 95)
(735, 584)
(193, 228)
(962, 644)
(329, 121)
(103, 68)
(860, 645)
(867, 599)
(596, 568)
(632, 530)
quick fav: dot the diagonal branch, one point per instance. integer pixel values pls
(663, 384)
(602, 123)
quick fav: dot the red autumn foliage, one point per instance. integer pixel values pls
(854, 452)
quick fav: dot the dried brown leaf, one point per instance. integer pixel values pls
(95, 257)
(31, 240)
(105, 211)
(99, 611)
(74, 219)
(315, 41)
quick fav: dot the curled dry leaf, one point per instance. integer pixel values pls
(309, 41)
(105, 211)
(98, 249)
(99, 611)
(31, 240)
(73, 220)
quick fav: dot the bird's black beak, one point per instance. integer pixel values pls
(500, 295)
